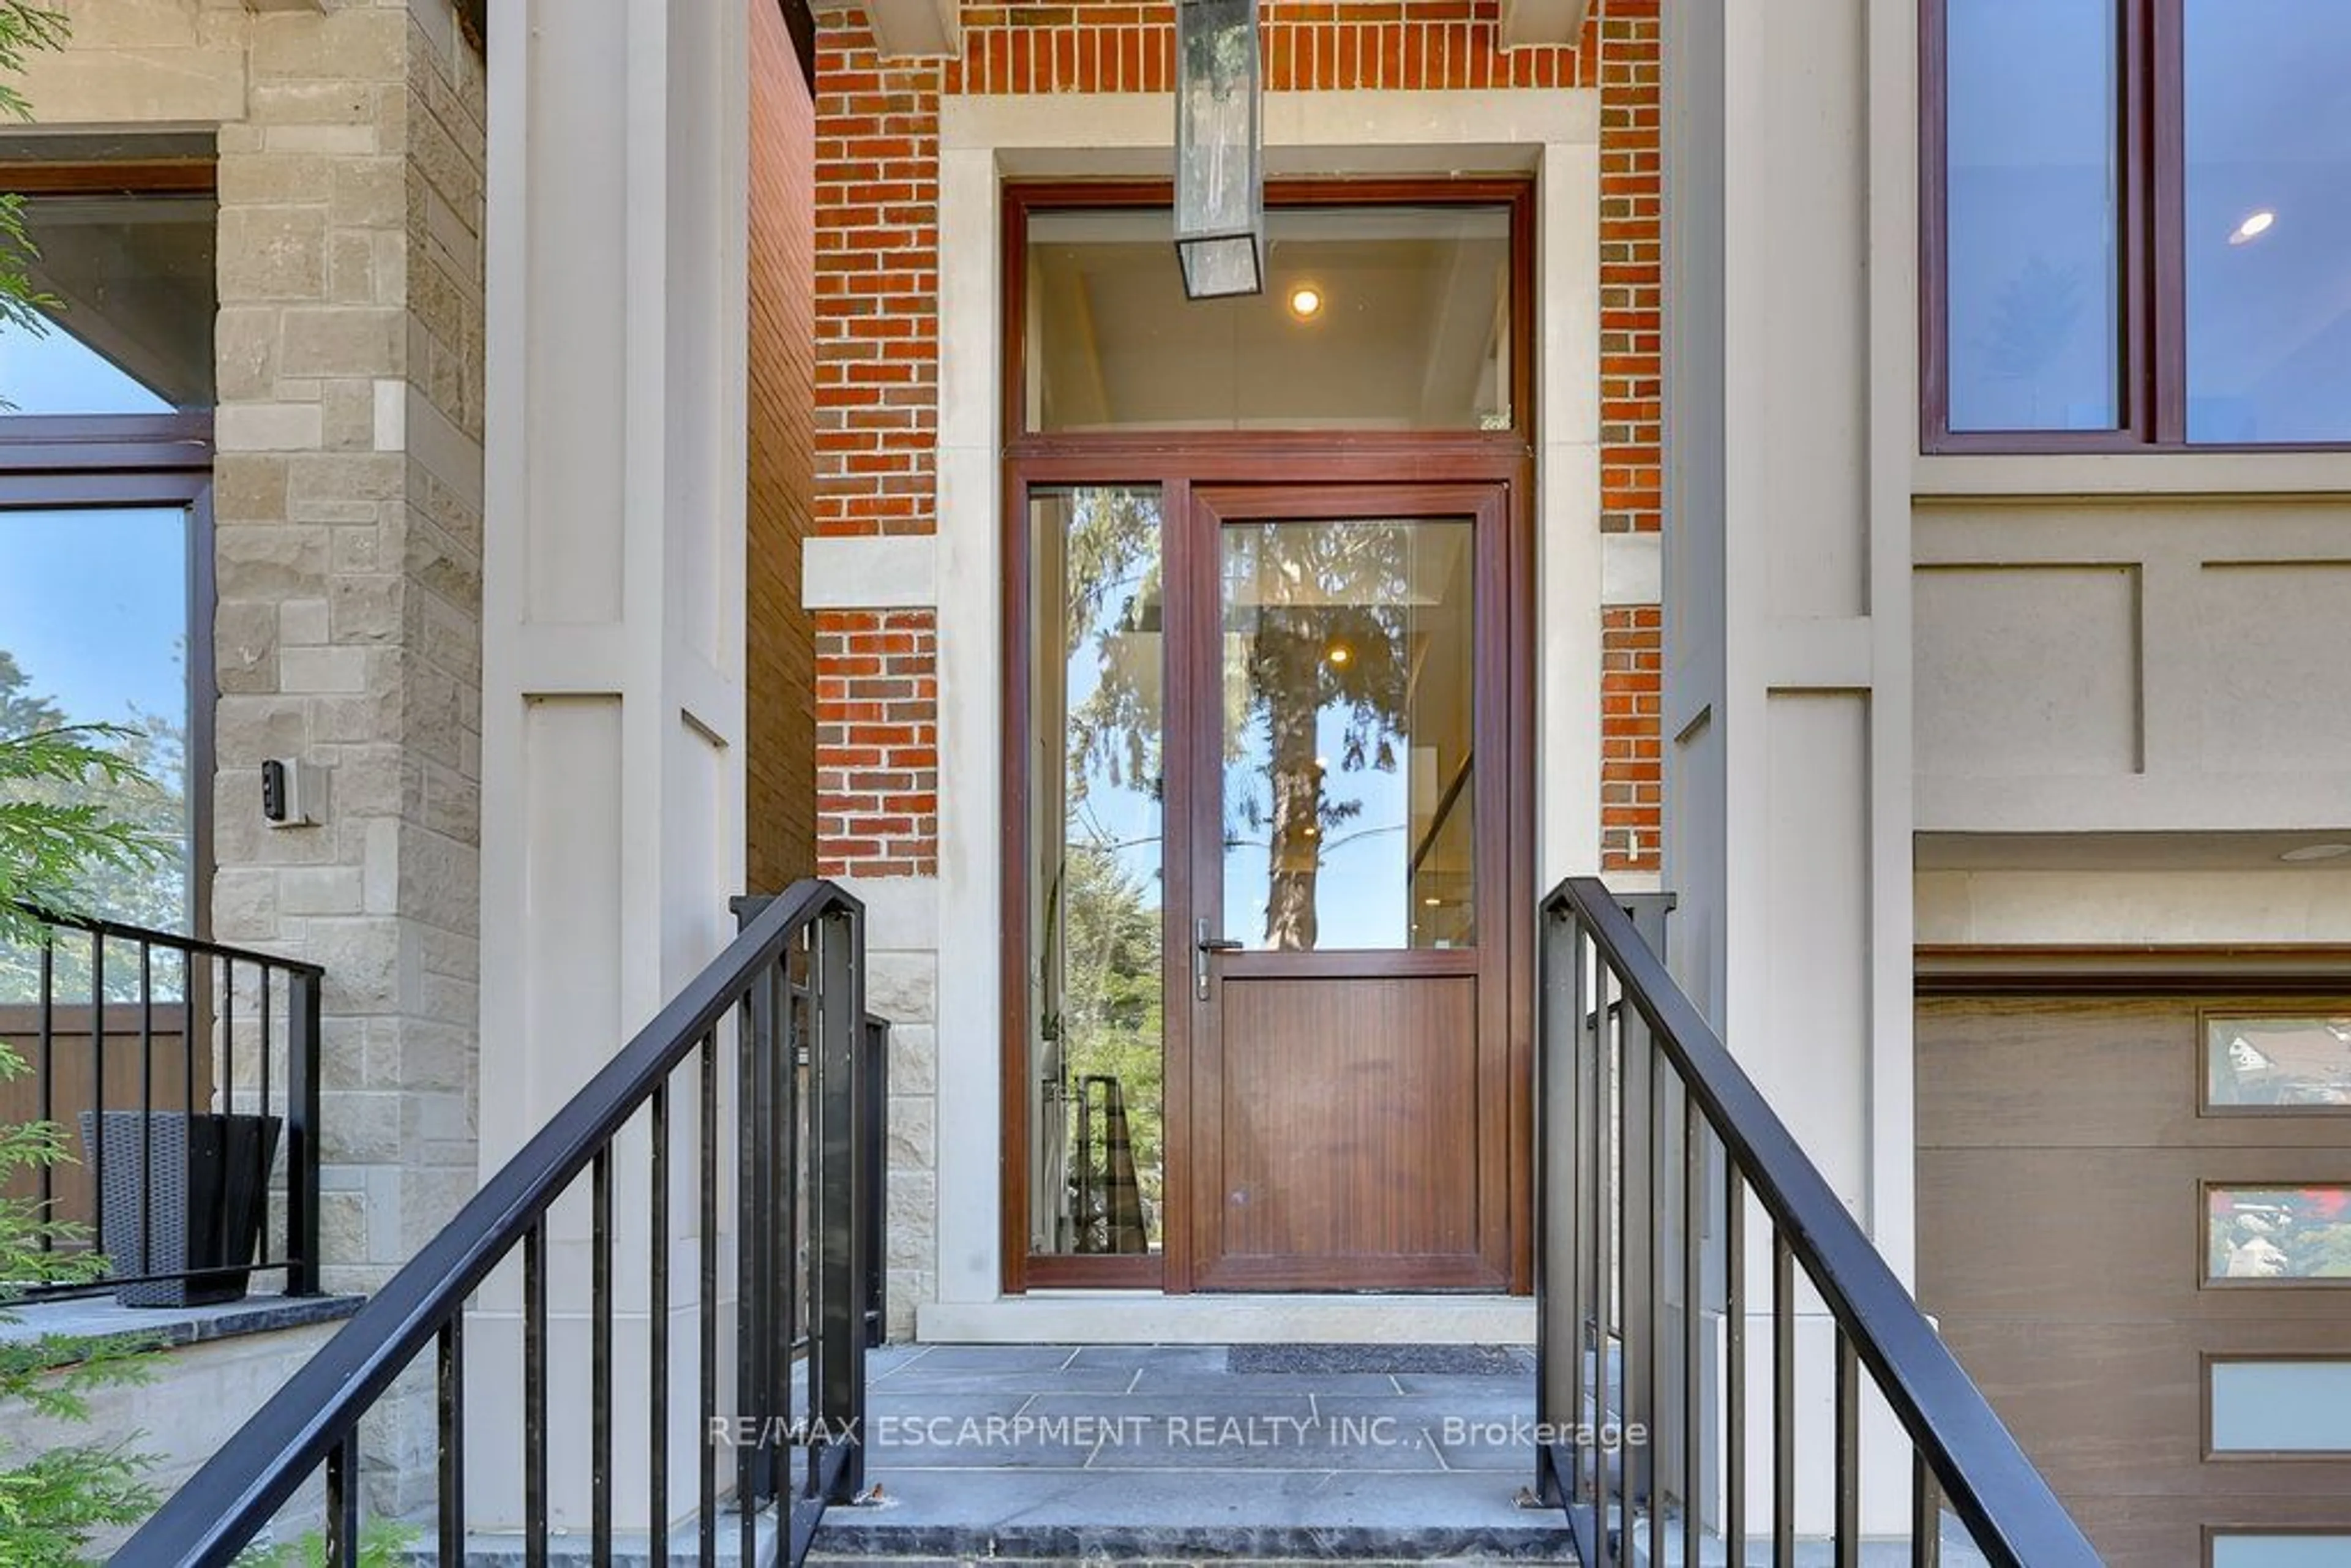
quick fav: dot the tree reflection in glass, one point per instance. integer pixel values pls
(1097, 793)
(1346, 695)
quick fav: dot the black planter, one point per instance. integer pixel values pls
(205, 1185)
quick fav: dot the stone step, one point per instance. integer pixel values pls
(1270, 1453)
(1187, 1515)
(1958, 1549)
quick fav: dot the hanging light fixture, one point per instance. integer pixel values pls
(1219, 150)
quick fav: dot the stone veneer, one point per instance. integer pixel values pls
(902, 938)
(349, 555)
(348, 510)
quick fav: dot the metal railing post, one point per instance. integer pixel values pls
(302, 1130)
(877, 1176)
(840, 1330)
(1644, 1377)
(1559, 1339)
(1637, 1223)
(1648, 911)
(755, 1262)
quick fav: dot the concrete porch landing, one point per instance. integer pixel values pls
(1198, 1451)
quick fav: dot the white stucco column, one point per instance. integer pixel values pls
(612, 603)
(1791, 421)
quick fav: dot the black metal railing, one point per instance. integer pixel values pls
(1655, 1151)
(873, 1138)
(185, 1074)
(797, 969)
(876, 1142)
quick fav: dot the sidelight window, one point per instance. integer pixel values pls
(1097, 806)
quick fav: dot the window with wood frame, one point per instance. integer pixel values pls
(106, 469)
(2134, 218)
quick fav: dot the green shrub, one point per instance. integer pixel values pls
(382, 1545)
(52, 1503)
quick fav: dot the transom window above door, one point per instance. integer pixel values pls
(1390, 317)
(2135, 215)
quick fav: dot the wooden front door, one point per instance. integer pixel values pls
(1347, 745)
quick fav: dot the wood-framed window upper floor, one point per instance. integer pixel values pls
(2134, 216)
(106, 469)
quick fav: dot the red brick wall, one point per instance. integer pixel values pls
(780, 653)
(877, 739)
(1632, 257)
(1632, 778)
(1309, 45)
(877, 332)
(877, 191)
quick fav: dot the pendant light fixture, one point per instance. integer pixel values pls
(1219, 150)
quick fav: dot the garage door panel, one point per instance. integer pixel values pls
(2087, 1075)
(2062, 1170)
(2069, 1233)
(2092, 1402)
(2166, 1531)
(2006, 1074)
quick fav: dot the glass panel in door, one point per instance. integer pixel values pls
(1348, 690)
(1096, 1035)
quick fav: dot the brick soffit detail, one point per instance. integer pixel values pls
(924, 29)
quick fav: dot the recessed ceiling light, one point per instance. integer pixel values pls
(1433, 902)
(2316, 852)
(2255, 226)
(1306, 302)
(1340, 653)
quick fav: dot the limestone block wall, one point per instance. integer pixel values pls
(347, 516)
(902, 924)
(347, 510)
(349, 564)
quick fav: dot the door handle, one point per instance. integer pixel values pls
(1203, 945)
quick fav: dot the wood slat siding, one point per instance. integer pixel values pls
(2062, 1249)
(71, 1082)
